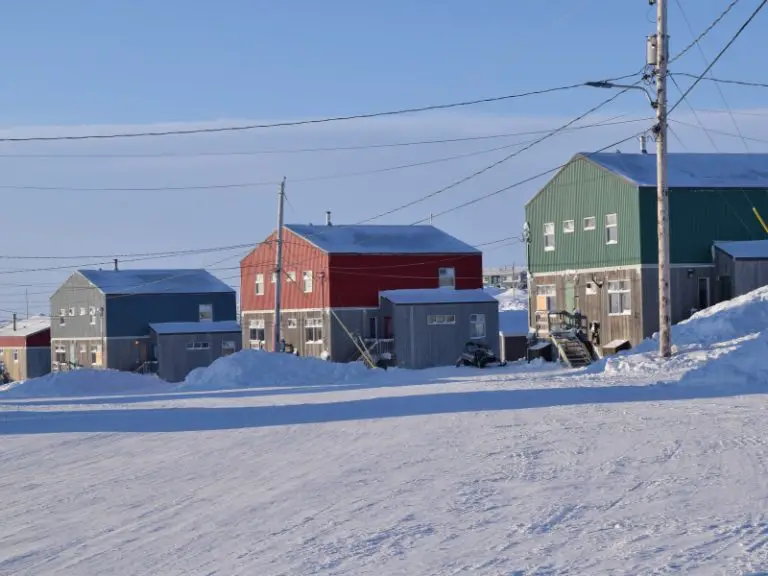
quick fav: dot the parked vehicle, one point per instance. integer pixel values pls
(479, 355)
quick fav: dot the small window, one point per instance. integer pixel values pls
(307, 279)
(228, 347)
(205, 313)
(619, 298)
(591, 289)
(441, 319)
(590, 223)
(447, 277)
(82, 311)
(549, 236)
(569, 226)
(93, 320)
(259, 285)
(546, 297)
(274, 277)
(95, 355)
(16, 356)
(313, 332)
(291, 277)
(477, 326)
(72, 311)
(195, 345)
(61, 354)
(611, 229)
(256, 332)
(292, 323)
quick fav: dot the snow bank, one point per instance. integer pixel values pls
(83, 383)
(258, 369)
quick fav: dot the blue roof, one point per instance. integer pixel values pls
(195, 327)
(745, 249)
(437, 296)
(689, 170)
(381, 239)
(155, 281)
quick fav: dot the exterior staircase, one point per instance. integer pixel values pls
(573, 351)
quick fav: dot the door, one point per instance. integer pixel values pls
(570, 296)
(725, 288)
(703, 293)
(72, 355)
(372, 332)
(388, 332)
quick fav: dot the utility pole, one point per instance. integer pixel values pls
(662, 191)
(279, 266)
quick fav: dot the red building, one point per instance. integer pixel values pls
(332, 277)
(25, 348)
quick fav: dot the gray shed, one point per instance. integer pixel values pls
(180, 347)
(740, 267)
(431, 326)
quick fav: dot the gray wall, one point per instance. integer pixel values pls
(725, 276)
(175, 361)
(77, 293)
(419, 345)
(745, 275)
(356, 321)
(38, 361)
(131, 315)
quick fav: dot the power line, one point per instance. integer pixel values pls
(719, 55)
(137, 255)
(724, 81)
(494, 164)
(695, 115)
(709, 28)
(326, 120)
(723, 132)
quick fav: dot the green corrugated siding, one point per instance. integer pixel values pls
(697, 218)
(580, 190)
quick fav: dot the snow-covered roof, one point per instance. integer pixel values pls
(437, 296)
(745, 250)
(381, 239)
(195, 327)
(27, 327)
(689, 170)
(155, 281)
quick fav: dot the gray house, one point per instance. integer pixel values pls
(101, 318)
(431, 326)
(740, 267)
(180, 347)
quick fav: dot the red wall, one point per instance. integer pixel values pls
(355, 280)
(40, 339)
(12, 342)
(298, 256)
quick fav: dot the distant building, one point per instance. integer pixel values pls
(25, 348)
(333, 277)
(505, 277)
(593, 239)
(101, 318)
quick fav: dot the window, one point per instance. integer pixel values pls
(195, 345)
(291, 276)
(546, 297)
(83, 349)
(62, 317)
(569, 226)
(441, 319)
(589, 223)
(619, 298)
(93, 319)
(205, 313)
(274, 277)
(477, 326)
(16, 356)
(256, 332)
(293, 323)
(61, 354)
(228, 347)
(591, 289)
(447, 277)
(307, 278)
(313, 332)
(259, 285)
(72, 311)
(82, 311)
(549, 236)
(96, 355)
(611, 229)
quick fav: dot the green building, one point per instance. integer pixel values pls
(593, 236)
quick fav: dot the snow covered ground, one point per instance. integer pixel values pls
(629, 467)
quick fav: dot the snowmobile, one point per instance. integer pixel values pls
(479, 355)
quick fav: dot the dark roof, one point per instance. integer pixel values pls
(381, 239)
(745, 249)
(225, 326)
(688, 170)
(438, 296)
(156, 281)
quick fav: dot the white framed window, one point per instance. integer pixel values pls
(274, 277)
(447, 277)
(205, 313)
(292, 323)
(96, 355)
(93, 320)
(256, 331)
(61, 354)
(590, 223)
(611, 229)
(16, 356)
(441, 319)
(476, 326)
(291, 276)
(591, 289)
(72, 311)
(569, 226)
(259, 285)
(307, 281)
(619, 298)
(546, 297)
(228, 347)
(196, 345)
(549, 236)
(313, 330)
(82, 311)
(62, 317)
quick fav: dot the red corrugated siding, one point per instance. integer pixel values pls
(355, 280)
(42, 338)
(12, 342)
(298, 256)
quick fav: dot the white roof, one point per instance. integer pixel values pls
(195, 327)
(437, 296)
(747, 249)
(27, 327)
(688, 170)
(155, 281)
(389, 239)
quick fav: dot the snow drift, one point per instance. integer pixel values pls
(259, 369)
(84, 383)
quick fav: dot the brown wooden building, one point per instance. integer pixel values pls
(25, 348)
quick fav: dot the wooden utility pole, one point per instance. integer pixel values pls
(278, 267)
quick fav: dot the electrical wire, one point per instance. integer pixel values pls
(706, 31)
(723, 81)
(716, 131)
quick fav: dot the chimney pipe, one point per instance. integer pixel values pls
(328, 218)
(14, 321)
(643, 139)
(115, 264)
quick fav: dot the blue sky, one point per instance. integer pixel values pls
(87, 65)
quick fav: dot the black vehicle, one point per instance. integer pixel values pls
(479, 355)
